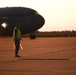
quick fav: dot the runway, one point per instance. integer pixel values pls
(42, 56)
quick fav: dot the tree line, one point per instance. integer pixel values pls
(52, 34)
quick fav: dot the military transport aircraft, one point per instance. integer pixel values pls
(29, 19)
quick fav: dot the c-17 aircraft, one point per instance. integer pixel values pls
(29, 19)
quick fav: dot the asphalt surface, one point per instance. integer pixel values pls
(42, 56)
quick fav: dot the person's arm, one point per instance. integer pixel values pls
(16, 33)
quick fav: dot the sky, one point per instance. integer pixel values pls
(59, 14)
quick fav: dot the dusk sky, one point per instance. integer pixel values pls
(59, 14)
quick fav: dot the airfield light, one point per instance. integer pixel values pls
(4, 25)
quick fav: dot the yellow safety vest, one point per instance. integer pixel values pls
(18, 34)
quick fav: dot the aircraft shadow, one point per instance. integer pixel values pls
(44, 59)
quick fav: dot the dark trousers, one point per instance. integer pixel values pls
(17, 45)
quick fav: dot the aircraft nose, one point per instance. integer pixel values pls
(38, 21)
(32, 22)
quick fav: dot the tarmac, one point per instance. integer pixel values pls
(42, 56)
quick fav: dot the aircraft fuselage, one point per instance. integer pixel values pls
(29, 19)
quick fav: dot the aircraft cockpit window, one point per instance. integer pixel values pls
(20, 14)
(16, 14)
(31, 13)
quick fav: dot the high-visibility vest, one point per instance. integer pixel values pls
(18, 34)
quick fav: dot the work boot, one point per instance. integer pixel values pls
(17, 56)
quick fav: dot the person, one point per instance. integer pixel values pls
(17, 38)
